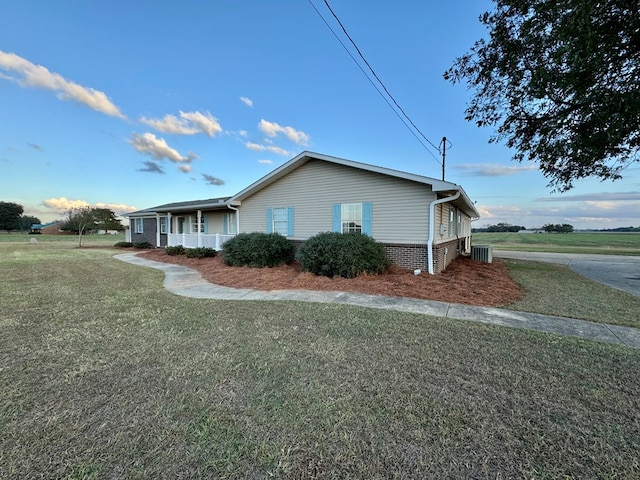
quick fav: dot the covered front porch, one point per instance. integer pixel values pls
(195, 240)
(210, 228)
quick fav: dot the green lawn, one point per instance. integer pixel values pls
(579, 242)
(107, 375)
(62, 240)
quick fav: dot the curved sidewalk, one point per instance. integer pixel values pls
(187, 282)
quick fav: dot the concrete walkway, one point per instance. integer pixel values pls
(189, 283)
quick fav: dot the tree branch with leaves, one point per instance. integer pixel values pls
(559, 81)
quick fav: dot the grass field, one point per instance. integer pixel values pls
(602, 243)
(107, 375)
(62, 240)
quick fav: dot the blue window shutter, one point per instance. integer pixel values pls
(206, 223)
(225, 224)
(367, 217)
(337, 213)
(290, 222)
(269, 220)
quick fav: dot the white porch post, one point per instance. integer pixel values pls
(169, 229)
(199, 228)
(157, 229)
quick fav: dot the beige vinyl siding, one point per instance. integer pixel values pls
(214, 221)
(442, 212)
(400, 207)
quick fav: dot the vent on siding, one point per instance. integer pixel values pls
(482, 253)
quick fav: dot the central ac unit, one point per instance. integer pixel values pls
(482, 253)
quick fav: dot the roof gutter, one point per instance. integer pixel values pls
(432, 222)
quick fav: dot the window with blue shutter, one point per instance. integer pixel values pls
(269, 220)
(290, 222)
(280, 220)
(337, 220)
(353, 218)
(367, 218)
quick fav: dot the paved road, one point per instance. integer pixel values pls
(617, 271)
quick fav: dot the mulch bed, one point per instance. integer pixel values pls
(464, 281)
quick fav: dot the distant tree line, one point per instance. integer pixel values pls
(620, 229)
(500, 227)
(557, 228)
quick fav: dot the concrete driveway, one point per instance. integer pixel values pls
(616, 271)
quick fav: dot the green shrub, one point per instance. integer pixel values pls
(344, 254)
(142, 245)
(123, 245)
(200, 252)
(258, 250)
(176, 250)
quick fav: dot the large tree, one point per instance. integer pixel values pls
(559, 81)
(80, 220)
(106, 219)
(10, 214)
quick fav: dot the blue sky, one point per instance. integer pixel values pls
(128, 105)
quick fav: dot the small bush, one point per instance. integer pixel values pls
(176, 250)
(200, 252)
(343, 254)
(123, 245)
(142, 245)
(258, 250)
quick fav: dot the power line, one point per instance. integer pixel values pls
(415, 128)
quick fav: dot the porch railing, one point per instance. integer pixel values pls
(193, 240)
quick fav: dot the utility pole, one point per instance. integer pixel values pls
(444, 154)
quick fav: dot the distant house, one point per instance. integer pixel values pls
(52, 228)
(423, 222)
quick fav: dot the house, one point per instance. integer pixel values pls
(53, 228)
(423, 222)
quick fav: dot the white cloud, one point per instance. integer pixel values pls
(157, 148)
(266, 162)
(37, 76)
(63, 204)
(493, 169)
(189, 123)
(211, 180)
(272, 129)
(185, 168)
(257, 147)
(247, 101)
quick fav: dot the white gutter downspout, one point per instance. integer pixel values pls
(432, 222)
(237, 210)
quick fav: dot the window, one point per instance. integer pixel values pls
(452, 221)
(353, 218)
(163, 224)
(138, 225)
(229, 224)
(280, 220)
(195, 226)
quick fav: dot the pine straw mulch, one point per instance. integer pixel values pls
(464, 281)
